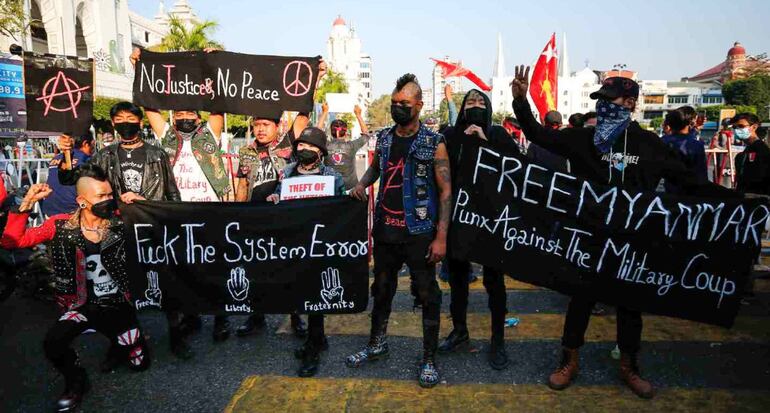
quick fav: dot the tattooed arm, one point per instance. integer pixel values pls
(437, 249)
(370, 176)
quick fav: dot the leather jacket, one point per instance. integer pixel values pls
(158, 183)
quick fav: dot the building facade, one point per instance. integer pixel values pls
(344, 55)
(103, 30)
(660, 96)
(436, 91)
(737, 65)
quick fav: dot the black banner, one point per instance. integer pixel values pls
(684, 257)
(225, 82)
(59, 92)
(308, 256)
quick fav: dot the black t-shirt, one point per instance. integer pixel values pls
(132, 167)
(100, 283)
(391, 227)
(342, 157)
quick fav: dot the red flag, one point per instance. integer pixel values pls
(544, 82)
(455, 70)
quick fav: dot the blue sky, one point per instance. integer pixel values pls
(659, 39)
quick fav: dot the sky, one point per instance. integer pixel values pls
(662, 40)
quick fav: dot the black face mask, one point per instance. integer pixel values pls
(307, 157)
(104, 209)
(186, 125)
(127, 130)
(402, 115)
(476, 116)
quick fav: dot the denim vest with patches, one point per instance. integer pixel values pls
(419, 190)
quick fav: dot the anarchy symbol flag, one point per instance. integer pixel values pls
(59, 93)
(543, 89)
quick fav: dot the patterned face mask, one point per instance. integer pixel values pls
(611, 120)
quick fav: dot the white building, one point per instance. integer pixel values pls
(344, 55)
(660, 96)
(437, 87)
(105, 30)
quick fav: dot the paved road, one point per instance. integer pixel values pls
(694, 366)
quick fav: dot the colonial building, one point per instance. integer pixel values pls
(103, 30)
(344, 55)
(737, 65)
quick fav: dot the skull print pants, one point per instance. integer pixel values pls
(117, 322)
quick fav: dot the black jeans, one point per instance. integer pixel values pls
(388, 259)
(629, 326)
(315, 331)
(493, 283)
(118, 323)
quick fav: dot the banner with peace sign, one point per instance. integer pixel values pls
(225, 82)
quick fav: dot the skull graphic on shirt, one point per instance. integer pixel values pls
(133, 180)
(96, 273)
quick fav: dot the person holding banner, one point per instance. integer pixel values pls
(616, 152)
(195, 149)
(260, 165)
(88, 250)
(136, 171)
(474, 124)
(342, 150)
(310, 151)
(411, 222)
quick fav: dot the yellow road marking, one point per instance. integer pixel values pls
(549, 327)
(279, 394)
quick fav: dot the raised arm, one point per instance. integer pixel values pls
(361, 123)
(437, 249)
(324, 115)
(450, 104)
(16, 233)
(157, 123)
(552, 140)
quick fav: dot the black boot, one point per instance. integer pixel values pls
(251, 325)
(76, 385)
(179, 347)
(310, 360)
(113, 359)
(298, 326)
(306, 348)
(221, 329)
(457, 338)
(498, 358)
(190, 323)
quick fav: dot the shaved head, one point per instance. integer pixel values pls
(409, 85)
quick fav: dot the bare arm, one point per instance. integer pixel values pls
(371, 176)
(361, 123)
(324, 115)
(217, 124)
(437, 249)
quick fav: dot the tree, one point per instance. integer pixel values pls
(378, 114)
(333, 82)
(13, 19)
(712, 112)
(183, 39)
(753, 91)
(499, 117)
(656, 123)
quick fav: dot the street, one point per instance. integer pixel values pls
(693, 366)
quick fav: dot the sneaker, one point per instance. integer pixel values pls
(429, 376)
(375, 350)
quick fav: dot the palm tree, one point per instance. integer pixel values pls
(182, 39)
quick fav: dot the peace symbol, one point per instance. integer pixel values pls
(297, 76)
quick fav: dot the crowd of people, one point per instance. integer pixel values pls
(415, 166)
